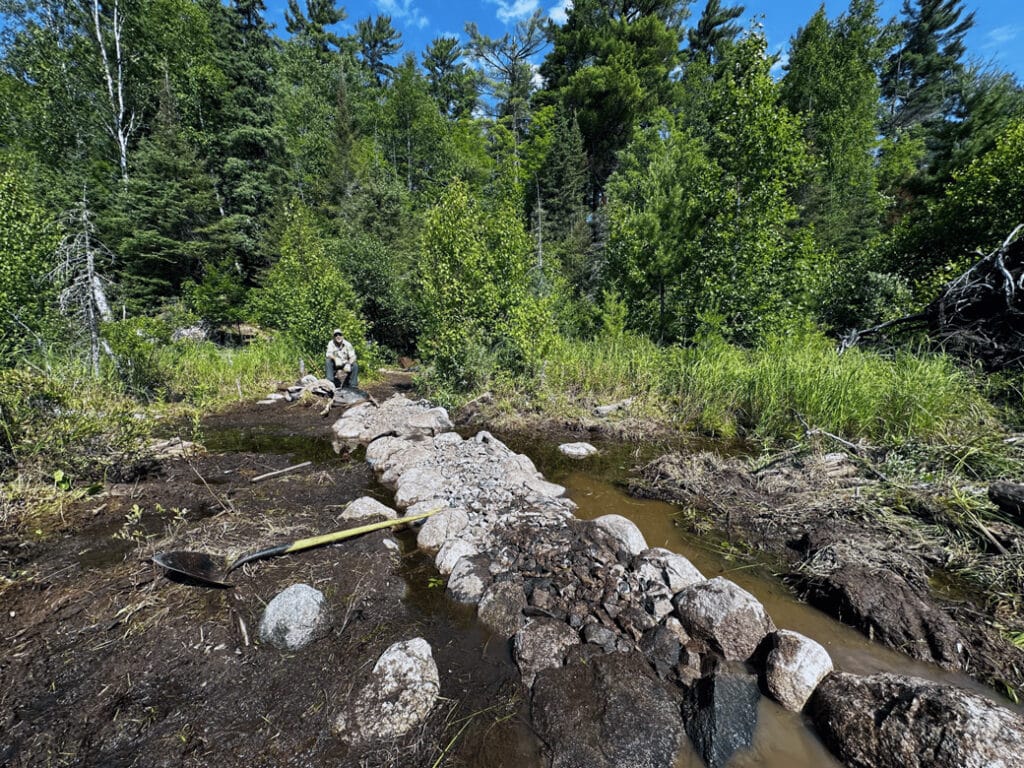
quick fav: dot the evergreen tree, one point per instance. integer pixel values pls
(918, 83)
(378, 41)
(170, 204)
(452, 83)
(831, 78)
(310, 28)
(610, 65)
(716, 30)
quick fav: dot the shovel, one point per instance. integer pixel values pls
(201, 568)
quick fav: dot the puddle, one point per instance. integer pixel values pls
(259, 439)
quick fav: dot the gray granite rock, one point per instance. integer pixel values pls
(400, 695)
(624, 531)
(294, 618)
(724, 615)
(577, 450)
(365, 508)
(542, 644)
(794, 667)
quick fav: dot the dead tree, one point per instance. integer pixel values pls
(979, 315)
(83, 298)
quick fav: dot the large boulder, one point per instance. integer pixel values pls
(794, 667)
(724, 615)
(400, 694)
(542, 644)
(892, 721)
(721, 714)
(440, 529)
(294, 618)
(611, 712)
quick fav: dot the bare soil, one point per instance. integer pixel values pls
(106, 662)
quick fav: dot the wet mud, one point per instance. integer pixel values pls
(106, 662)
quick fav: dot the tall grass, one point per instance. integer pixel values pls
(770, 391)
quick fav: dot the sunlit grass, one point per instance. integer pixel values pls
(777, 390)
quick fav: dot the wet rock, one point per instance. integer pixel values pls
(468, 580)
(365, 508)
(399, 696)
(724, 615)
(440, 529)
(294, 618)
(577, 450)
(542, 644)
(608, 713)
(674, 570)
(451, 553)
(624, 531)
(663, 646)
(892, 721)
(876, 592)
(721, 714)
(795, 666)
(501, 607)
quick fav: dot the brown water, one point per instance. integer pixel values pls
(783, 739)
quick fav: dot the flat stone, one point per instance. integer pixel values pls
(542, 644)
(366, 507)
(674, 570)
(450, 554)
(577, 450)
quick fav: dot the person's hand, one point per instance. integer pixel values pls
(347, 368)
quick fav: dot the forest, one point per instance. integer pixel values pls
(642, 200)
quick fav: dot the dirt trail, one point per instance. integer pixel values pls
(107, 663)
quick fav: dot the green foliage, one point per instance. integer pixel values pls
(26, 255)
(609, 66)
(474, 282)
(979, 210)
(703, 224)
(305, 294)
(137, 343)
(67, 422)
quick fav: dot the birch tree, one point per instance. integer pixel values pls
(107, 32)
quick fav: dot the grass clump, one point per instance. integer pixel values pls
(775, 390)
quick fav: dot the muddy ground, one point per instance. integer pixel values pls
(898, 563)
(105, 662)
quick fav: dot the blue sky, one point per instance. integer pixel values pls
(998, 34)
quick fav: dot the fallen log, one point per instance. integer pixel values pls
(1009, 497)
(979, 315)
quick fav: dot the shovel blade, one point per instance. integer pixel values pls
(194, 566)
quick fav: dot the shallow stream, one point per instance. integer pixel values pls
(782, 739)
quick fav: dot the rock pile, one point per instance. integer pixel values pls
(569, 593)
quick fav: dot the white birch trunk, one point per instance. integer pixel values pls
(121, 124)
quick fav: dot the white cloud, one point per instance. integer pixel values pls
(405, 10)
(559, 13)
(513, 10)
(1002, 35)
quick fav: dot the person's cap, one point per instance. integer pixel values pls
(338, 332)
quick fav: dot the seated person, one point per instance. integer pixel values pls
(342, 367)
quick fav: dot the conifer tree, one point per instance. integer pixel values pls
(378, 40)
